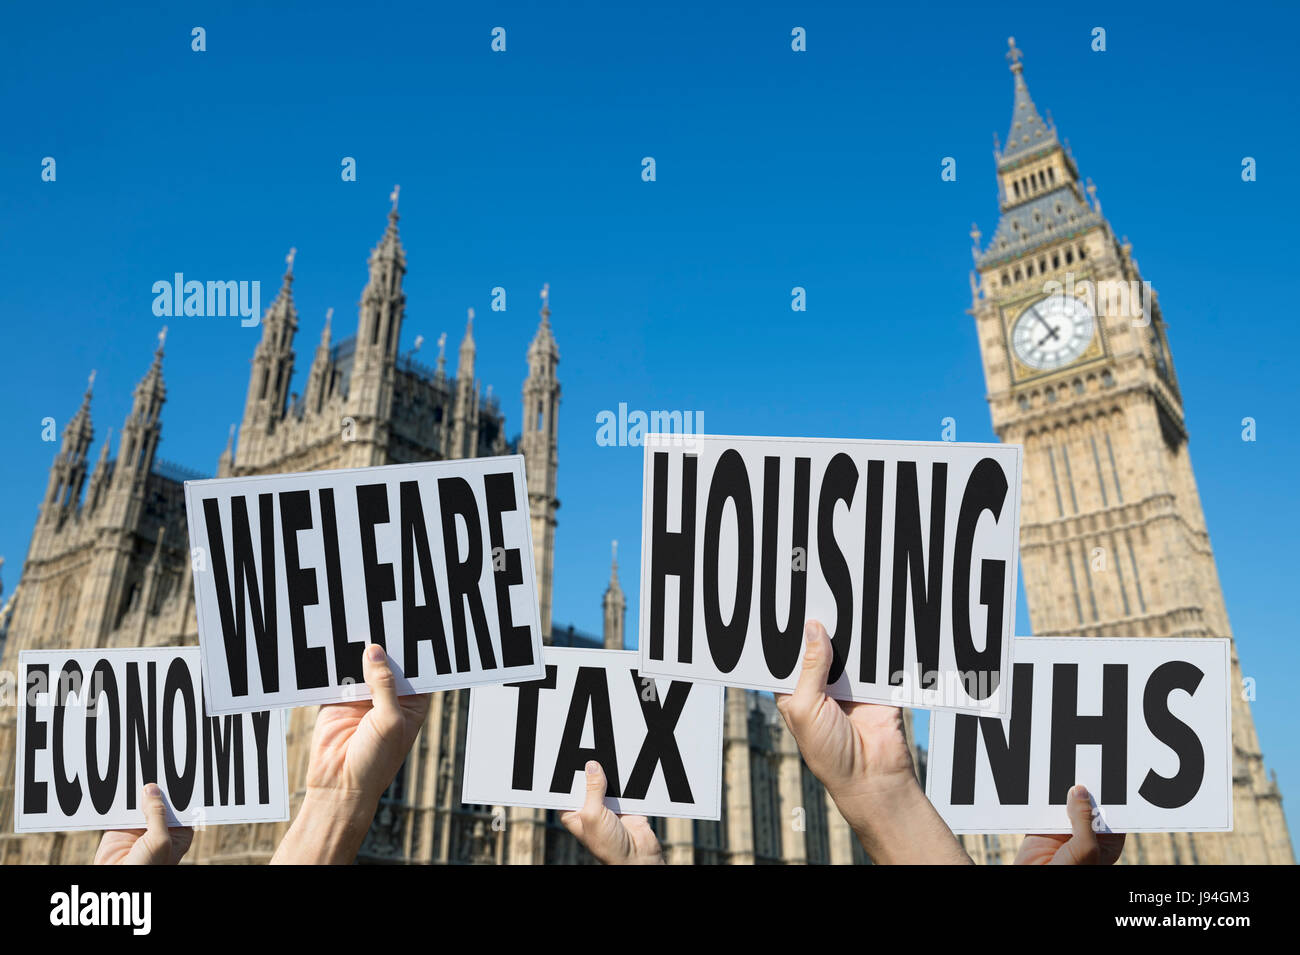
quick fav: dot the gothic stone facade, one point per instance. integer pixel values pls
(1113, 541)
(109, 566)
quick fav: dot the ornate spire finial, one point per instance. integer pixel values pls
(470, 313)
(393, 196)
(90, 382)
(442, 353)
(975, 240)
(230, 440)
(288, 261)
(1014, 55)
(162, 339)
(546, 303)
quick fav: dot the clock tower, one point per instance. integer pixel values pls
(1113, 541)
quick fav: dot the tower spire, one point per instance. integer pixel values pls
(614, 605)
(1028, 130)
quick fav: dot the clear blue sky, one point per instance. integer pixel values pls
(775, 169)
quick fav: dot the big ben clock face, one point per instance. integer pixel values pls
(1052, 333)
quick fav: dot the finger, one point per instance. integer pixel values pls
(157, 840)
(1082, 848)
(811, 687)
(594, 802)
(382, 684)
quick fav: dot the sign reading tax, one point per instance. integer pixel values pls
(905, 551)
(1145, 724)
(659, 741)
(294, 574)
(94, 726)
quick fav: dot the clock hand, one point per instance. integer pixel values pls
(1052, 333)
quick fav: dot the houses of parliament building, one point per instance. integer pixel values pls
(1096, 405)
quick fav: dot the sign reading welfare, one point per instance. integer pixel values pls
(295, 573)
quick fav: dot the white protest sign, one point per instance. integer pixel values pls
(295, 573)
(95, 725)
(1144, 724)
(905, 551)
(659, 741)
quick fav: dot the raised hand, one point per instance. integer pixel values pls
(859, 752)
(156, 844)
(611, 838)
(1082, 846)
(356, 750)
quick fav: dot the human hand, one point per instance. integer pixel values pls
(612, 838)
(1082, 846)
(356, 750)
(156, 844)
(859, 752)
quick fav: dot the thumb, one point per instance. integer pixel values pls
(1082, 847)
(156, 844)
(810, 689)
(382, 685)
(594, 802)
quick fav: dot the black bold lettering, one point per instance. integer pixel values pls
(839, 483)
(871, 571)
(180, 784)
(730, 482)
(660, 745)
(102, 699)
(347, 653)
(1108, 730)
(673, 554)
(781, 644)
(516, 642)
(262, 597)
(67, 790)
(372, 509)
(927, 589)
(311, 666)
(457, 498)
(35, 793)
(221, 736)
(985, 491)
(419, 621)
(261, 737)
(590, 692)
(1170, 792)
(141, 728)
(1008, 750)
(526, 728)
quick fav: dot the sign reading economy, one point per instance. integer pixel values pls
(94, 726)
(295, 573)
(905, 551)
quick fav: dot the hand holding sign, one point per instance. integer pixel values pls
(612, 838)
(356, 750)
(154, 845)
(860, 754)
(1083, 846)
